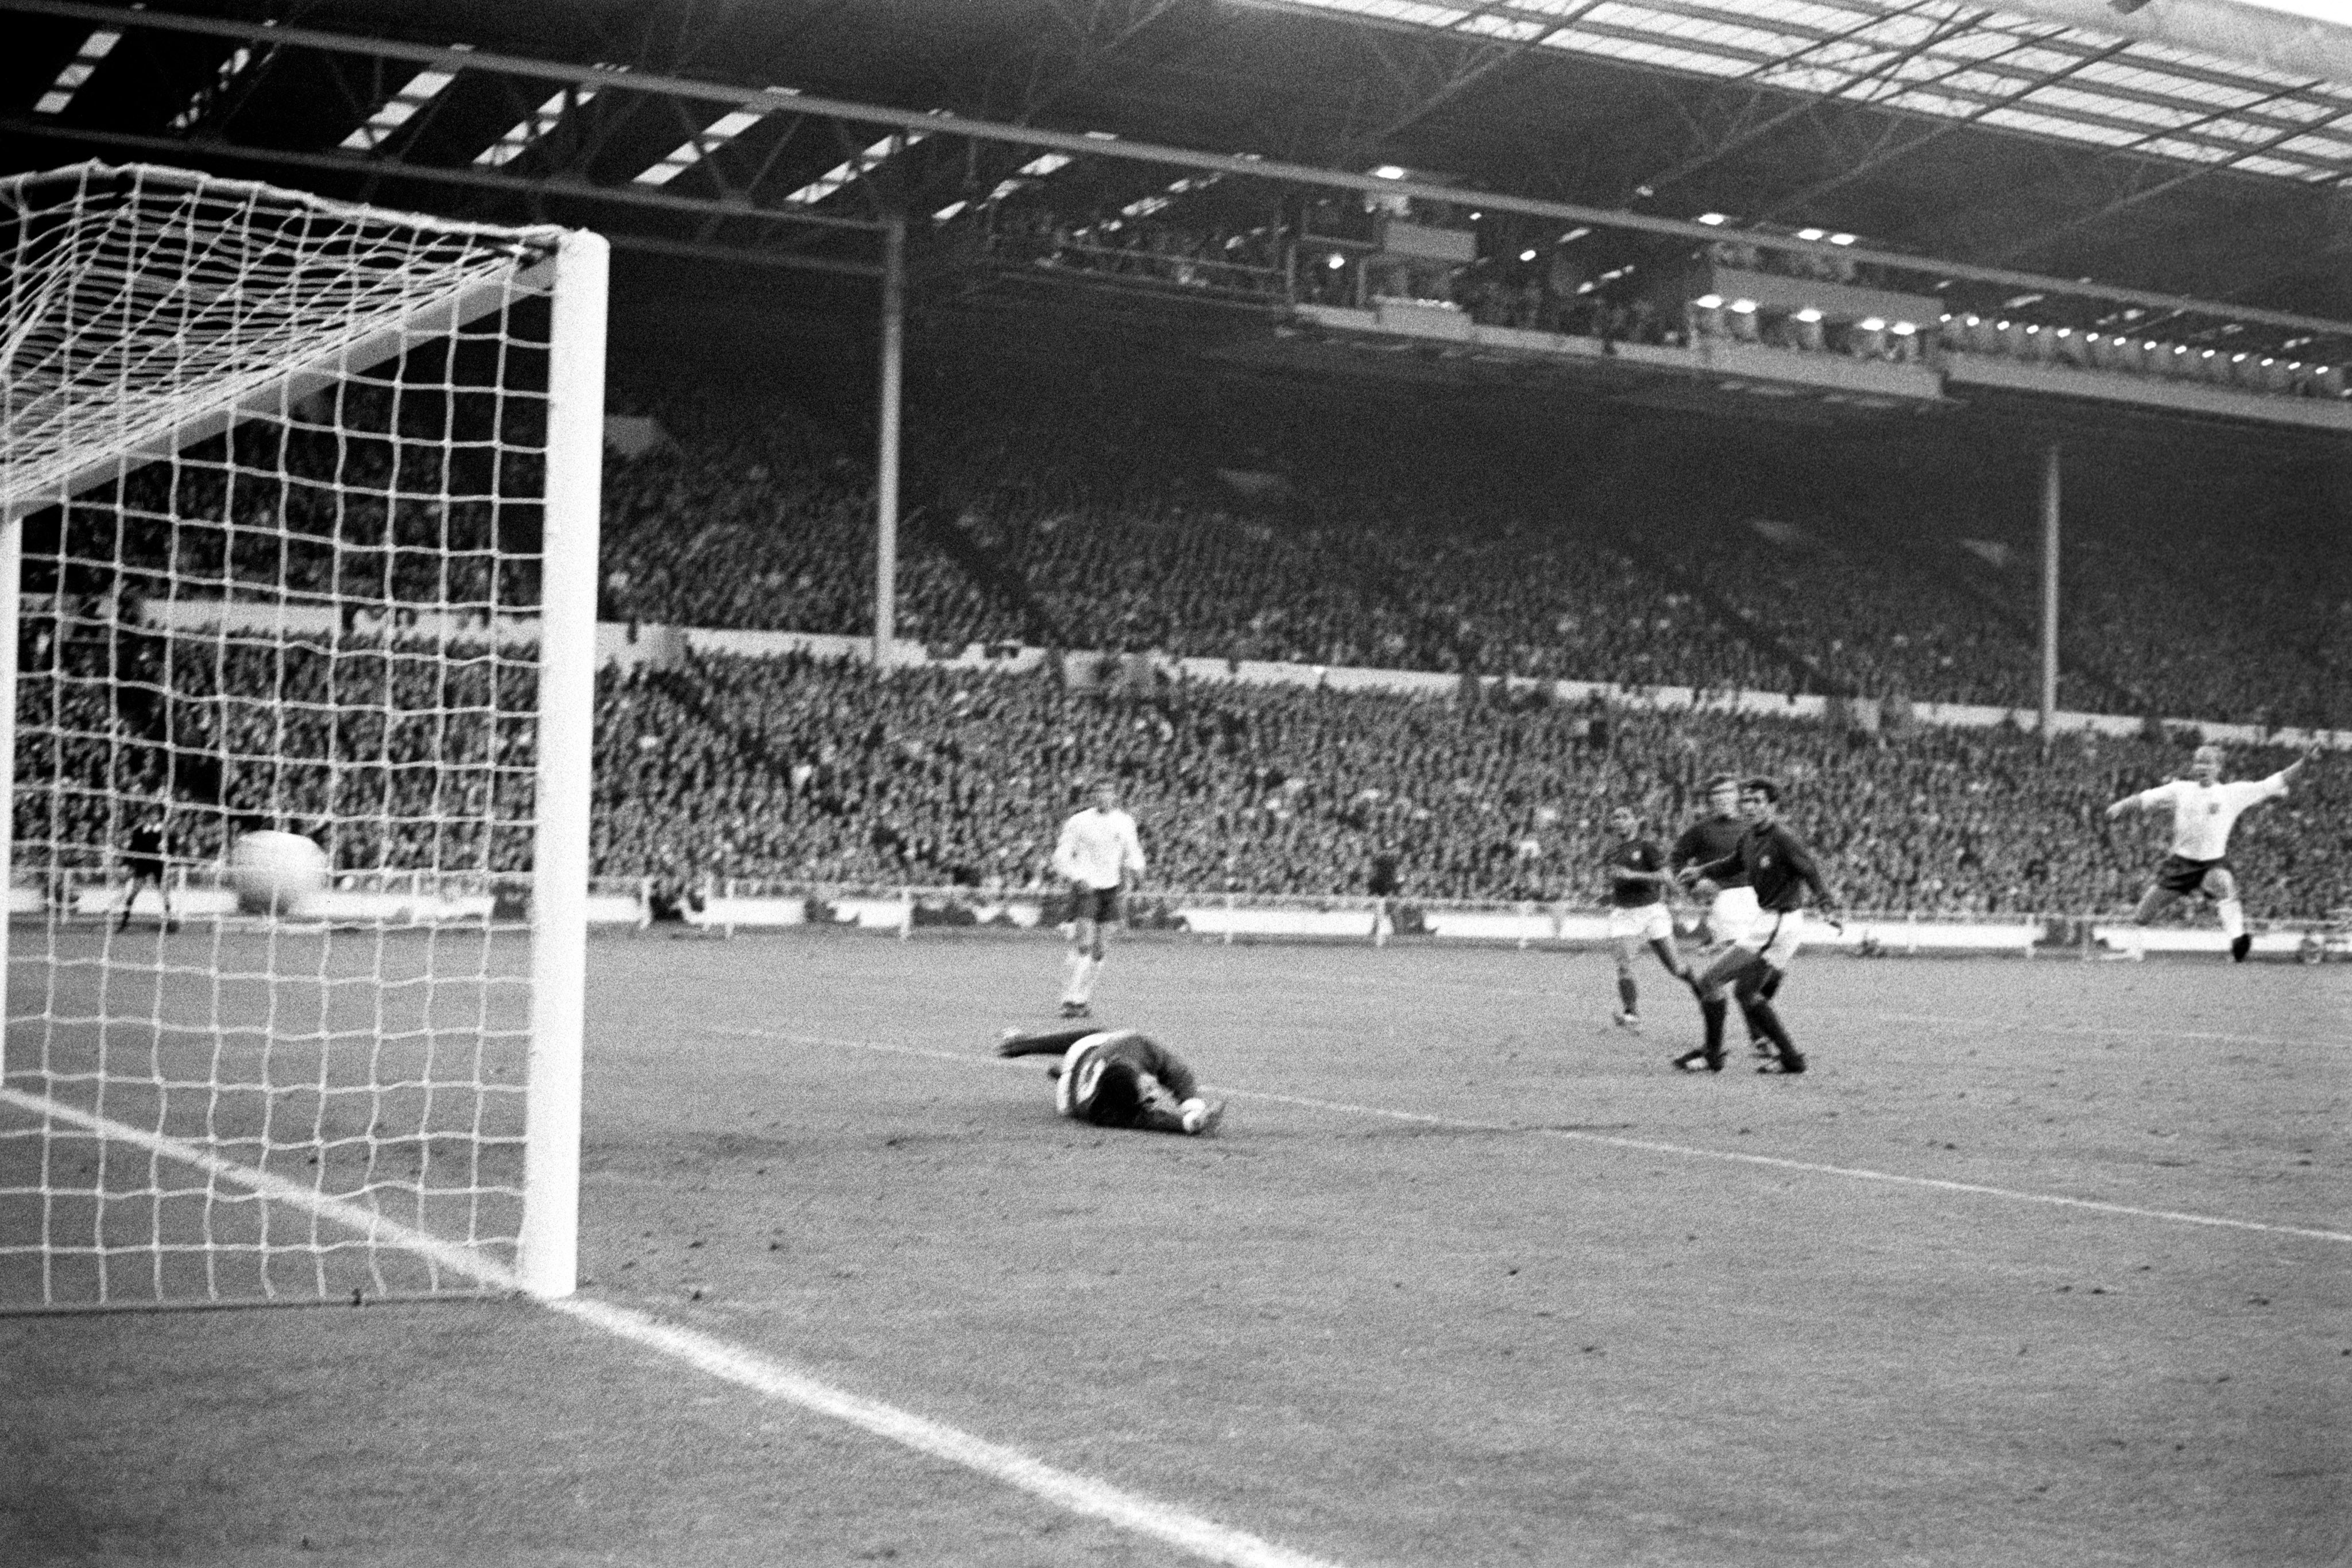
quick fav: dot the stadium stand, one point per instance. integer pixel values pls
(799, 770)
(1094, 517)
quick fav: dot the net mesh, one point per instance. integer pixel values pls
(280, 466)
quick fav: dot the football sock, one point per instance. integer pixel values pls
(2234, 917)
(1764, 1020)
(1082, 986)
(1626, 993)
(1074, 983)
(1713, 1009)
(1771, 985)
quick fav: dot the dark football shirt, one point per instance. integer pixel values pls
(1709, 839)
(1633, 854)
(146, 848)
(1779, 865)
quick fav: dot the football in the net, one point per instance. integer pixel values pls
(274, 871)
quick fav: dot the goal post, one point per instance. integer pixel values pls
(298, 506)
(548, 1250)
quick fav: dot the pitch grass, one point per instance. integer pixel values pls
(1503, 1333)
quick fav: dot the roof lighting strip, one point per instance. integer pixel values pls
(422, 89)
(844, 173)
(231, 68)
(77, 70)
(541, 120)
(708, 140)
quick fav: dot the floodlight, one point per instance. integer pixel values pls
(1808, 314)
(1840, 239)
(1745, 306)
(1713, 219)
(1709, 302)
(1812, 233)
(1873, 324)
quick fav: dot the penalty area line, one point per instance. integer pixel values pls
(1203, 1538)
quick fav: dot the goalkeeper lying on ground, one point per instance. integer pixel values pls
(1118, 1078)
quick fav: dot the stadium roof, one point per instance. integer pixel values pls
(1929, 128)
(1944, 59)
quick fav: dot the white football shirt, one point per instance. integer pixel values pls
(2203, 814)
(1099, 848)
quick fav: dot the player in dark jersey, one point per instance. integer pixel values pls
(1781, 869)
(1714, 839)
(142, 859)
(1118, 1078)
(1637, 911)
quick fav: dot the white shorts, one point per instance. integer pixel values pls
(1731, 915)
(1775, 936)
(1650, 922)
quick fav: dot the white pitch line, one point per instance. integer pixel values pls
(1203, 1538)
(1647, 1145)
(1080, 1494)
(1855, 1173)
(460, 1260)
(1983, 1025)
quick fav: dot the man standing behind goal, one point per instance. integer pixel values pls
(2203, 810)
(1098, 851)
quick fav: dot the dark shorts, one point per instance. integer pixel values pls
(145, 870)
(2184, 876)
(1103, 905)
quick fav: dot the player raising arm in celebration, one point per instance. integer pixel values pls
(1779, 868)
(1097, 852)
(2203, 810)
(1637, 910)
(1118, 1078)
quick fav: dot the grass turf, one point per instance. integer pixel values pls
(1468, 1277)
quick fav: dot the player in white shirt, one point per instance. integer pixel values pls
(1097, 852)
(2203, 810)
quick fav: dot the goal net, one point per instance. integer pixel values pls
(300, 561)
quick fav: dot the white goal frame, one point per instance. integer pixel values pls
(63, 436)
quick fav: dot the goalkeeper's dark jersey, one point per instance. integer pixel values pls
(1145, 1054)
(1139, 1051)
(1710, 840)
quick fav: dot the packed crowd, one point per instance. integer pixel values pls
(793, 769)
(799, 770)
(396, 756)
(364, 497)
(1272, 523)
